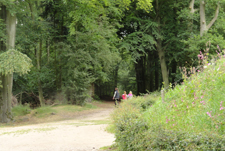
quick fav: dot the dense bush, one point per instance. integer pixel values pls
(158, 138)
(130, 127)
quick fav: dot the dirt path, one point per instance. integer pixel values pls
(84, 133)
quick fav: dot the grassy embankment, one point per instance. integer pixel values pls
(192, 116)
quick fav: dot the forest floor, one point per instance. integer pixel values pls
(84, 131)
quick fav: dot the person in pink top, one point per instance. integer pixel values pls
(130, 95)
(124, 96)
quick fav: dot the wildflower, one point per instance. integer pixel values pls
(221, 108)
(209, 64)
(187, 106)
(173, 124)
(175, 105)
(201, 97)
(209, 114)
(193, 102)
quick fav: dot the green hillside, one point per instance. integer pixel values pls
(195, 106)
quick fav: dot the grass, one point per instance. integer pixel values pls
(112, 147)
(74, 108)
(21, 110)
(97, 122)
(196, 106)
(111, 128)
(25, 131)
(44, 111)
(25, 115)
(18, 132)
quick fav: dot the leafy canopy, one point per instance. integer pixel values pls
(14, 61)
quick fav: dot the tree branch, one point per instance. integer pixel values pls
(215, 17)
(191, 6)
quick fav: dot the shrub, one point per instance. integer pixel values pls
(158, 138)
(128, 126)
(143, 103)
(129, 123)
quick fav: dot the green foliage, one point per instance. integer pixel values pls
(129, 123)
(195, 106)
(14, 61)
(20, 110)
(192, 117)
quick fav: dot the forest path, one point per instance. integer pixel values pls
(83, 133)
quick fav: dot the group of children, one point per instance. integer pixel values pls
(116, 96)
(125, 96)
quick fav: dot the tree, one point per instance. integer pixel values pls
(10, 62)
(10, 22)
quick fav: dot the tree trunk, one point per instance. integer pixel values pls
(7, 80)
(174, 70)
(156, 71)
(140, 75)
(40, 92)
(116, 75)
(203, 25)
(202, 18)
(149, 75)
(161, 52)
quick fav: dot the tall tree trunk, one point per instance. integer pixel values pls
(140, 75)
(150, 69)
(116, 75)
(40, 91)
(174, 70)
(7, 80)
(156, 71)
(161, 52)
(149, 81)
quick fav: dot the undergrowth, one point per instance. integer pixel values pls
(192, 117)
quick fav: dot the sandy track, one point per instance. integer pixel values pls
(81, 134)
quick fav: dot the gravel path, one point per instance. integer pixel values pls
(85, 133)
